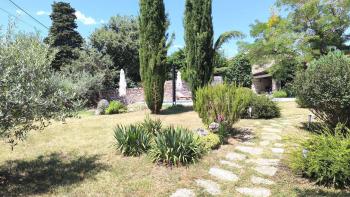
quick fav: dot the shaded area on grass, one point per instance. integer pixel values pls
(319, 193)
(44, 173)
(242, 134)
(313, 127)
(176, 109)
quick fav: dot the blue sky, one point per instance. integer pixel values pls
(227, 15)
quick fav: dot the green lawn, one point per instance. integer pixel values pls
(78, 159)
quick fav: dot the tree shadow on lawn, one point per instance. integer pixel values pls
(319, 193)
(41, 175)
(177, 109)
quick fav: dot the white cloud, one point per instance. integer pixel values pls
(102, 21)
(86, 20)
(41, 12)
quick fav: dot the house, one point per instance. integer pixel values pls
(263, 82)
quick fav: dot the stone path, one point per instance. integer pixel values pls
(259, 155)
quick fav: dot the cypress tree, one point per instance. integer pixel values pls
(153, 50)
(63, 35)
(199, 43)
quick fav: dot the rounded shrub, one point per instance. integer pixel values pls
(210, 141)
(324, 88)
(280, 94)
(132, 140)
(325, 158)
(115, 107)
(176, 146)
(264, 107)
(224, 100)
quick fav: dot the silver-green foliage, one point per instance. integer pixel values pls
(29, 97)
(132, 140)
(176, 146)
(223, 101)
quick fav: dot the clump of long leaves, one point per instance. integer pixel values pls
(153, 126)
(176, 146)
(132, 140)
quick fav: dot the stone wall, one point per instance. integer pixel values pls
(136, 95)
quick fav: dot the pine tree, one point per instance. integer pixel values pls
(199, 43)
(63, 35)
(153, 51)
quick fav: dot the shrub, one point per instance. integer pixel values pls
(115, 107)
(263, 107)
(132, 140)
(176, 146)
(210, 141)
(239, 71)
(324, 88)
(226, 101)
(325, 159)
(300, 103)
(152, 126)
(280, 94)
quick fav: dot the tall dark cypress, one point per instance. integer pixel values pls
(63, 35)
(199, 43)
(153, 51)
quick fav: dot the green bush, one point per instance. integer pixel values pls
(325, 159)
(132, 140)
(176, 146)
(280, 94)
(300, 103)
(115, 107)
(226, 101)
(152, 126)
(210, 141)
(263, 107)
(324, 88)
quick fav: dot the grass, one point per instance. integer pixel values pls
(78, 159)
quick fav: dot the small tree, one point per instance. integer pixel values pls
(29, 97)
(63, 35)
(239, 71)
(153, 25)
(324, 87)
(119, 39)
(200, 48)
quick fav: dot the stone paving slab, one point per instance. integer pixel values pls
(183, 193)
(266, 170)
(209, 186)
(224, 175)
(279, 145)
(264, 143)
(277, 150)
(231, 164)
(264, 162)
(250, 150)
(270, 136)
(236, 156)
(254, 192)
(258, 180)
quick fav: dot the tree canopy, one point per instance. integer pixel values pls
(120, 40)
(63, 35)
